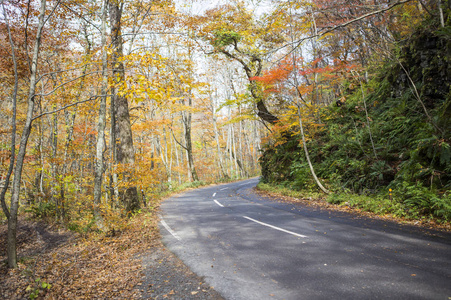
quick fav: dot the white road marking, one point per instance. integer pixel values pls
(244, 183)
(218, 203)
(169, 229)
(214, 194)
(274, 227)
(224, 189)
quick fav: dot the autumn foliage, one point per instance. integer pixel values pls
(104, 102)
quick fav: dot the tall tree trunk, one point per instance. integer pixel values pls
(188, 142)
(100, 146)
(440, 12)
(229, 147)
(122, 127)
(298, 105)
(53, 163)
(13, 120)
(177, 159)
(240, 147)
(15, 193)
(165, 157)
(114, 193)
(233, 149)
(307, 156)
(223, 173)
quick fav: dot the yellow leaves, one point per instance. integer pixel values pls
(239, 118)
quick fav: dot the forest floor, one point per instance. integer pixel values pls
(55, 263)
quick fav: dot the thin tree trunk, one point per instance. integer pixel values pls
(41, 154)
(368, 122)
(187, 116)
(100, 146)
(177, 161)
(164, 157)
(440, 11)
(53, 164)
(70, 121)
(171, 143)
(233, 148)
(240, 145)
(229, 148)
(298, 105)
(223, 173)
(12, 221)
(307, 156)
(13, 120)
(417, 96)
(114, 193)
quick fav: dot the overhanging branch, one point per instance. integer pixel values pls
(67, 106)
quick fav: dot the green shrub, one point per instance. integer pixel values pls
(42, 209)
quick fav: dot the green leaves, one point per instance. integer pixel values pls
(224, 38)
(36, 290)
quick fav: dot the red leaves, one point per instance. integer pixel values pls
(274, 75)
(273, 79)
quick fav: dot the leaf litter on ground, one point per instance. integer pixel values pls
(58, 264)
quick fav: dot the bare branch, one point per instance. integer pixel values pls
(184, 147)
(67, 106)
(81, 16)
(62, 71)
(65, 83)
(53, 10)
(300, 41)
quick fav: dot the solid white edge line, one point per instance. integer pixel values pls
(214, 194)
(169, 229)
(218, 203)
(274, 227)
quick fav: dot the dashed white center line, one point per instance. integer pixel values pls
(214, 194)
(169, 229)
(224, 189)
(275, 227)
(218, 203)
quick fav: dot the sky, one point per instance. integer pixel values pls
(198, 7)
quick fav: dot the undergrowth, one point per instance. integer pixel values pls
(408, 151)
(381, 204)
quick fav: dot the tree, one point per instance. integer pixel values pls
(155, 89)
(124, 150)
(15, 193)
(100, 146)
(232, 30)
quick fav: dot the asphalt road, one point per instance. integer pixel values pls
(247, 247)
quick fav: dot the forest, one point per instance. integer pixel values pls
(107, 106)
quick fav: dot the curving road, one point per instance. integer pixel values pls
(249, 248)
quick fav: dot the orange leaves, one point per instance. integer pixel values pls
(274, 75)
(272, 79)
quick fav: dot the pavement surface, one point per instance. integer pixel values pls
(247, 247)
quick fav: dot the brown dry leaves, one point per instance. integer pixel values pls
(78, 268)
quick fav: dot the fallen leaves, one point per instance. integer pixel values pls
(77, 267)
